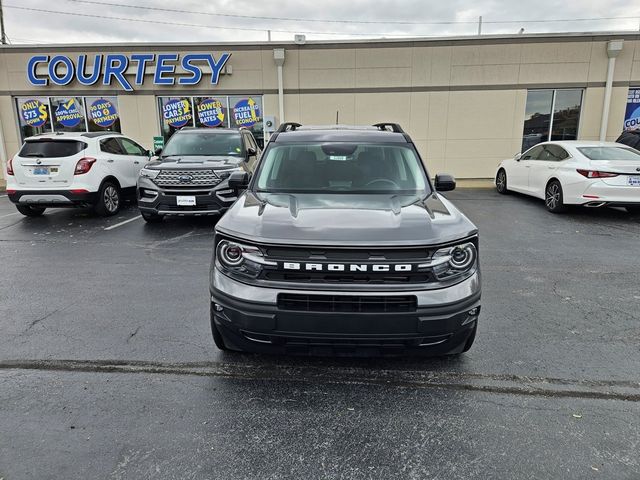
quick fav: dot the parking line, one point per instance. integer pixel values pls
(111, 227)
(9, 214)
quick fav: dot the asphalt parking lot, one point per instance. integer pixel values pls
(108, 369)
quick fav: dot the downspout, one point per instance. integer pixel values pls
(278, 57)
(614, 47)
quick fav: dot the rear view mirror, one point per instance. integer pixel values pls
(251, 152)
(158, 151)
(445, 182)
(239, 180)
(517, 157)
(150, 153)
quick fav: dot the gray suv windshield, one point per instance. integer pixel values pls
(209, 144)
(341, 168)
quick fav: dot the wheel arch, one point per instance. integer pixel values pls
(110, 178)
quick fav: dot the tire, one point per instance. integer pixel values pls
(553, 198)
(501, 182)
(470, 340)
(633, 210)
(29, 211)
(151, 217)
(109, 200)
(217, 336)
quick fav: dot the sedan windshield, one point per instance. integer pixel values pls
(610, 153)
(204, 144)
(341, 168)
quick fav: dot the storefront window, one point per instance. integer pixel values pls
(103, 114)
(247, 112)
(34, 116)
(211, 112)
(551, 115)
(68, 114)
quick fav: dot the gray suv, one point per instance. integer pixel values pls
(188, 177)
(341, 245)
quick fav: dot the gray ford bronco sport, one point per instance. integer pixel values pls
(341, 245)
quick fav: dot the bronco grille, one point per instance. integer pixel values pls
(409, 257)
(186, 178)
(347, 303)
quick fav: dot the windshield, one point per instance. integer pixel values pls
(201, 144)
(610, 153)
(341, 168)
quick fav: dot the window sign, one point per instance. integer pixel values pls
(33, 116)
(246, 112)
(103, 113)
(177, 112)
(632, 113)
(68, 114)
(211, 112)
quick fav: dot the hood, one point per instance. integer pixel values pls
(185, 162)
(316, 219)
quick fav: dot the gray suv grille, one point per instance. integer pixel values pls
(187, 178)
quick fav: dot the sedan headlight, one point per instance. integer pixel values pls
(454, 261)
(148, 173)
(241, 259)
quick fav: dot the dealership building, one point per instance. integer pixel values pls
(467, 102)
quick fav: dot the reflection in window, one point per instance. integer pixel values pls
(551, 115)
(566, 114)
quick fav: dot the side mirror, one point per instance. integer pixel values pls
(158, 152)
(445, 182)
(517, 157)
(251, 152)
(239, 180)
(150, 153)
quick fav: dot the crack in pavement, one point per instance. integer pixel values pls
(627, 390)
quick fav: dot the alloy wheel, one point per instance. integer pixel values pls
(501, 181)
(111, 199)
(553, 196)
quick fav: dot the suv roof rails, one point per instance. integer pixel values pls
(288, 126)
(395, 127)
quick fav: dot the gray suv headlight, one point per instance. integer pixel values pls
(239, 258)
(454, 261)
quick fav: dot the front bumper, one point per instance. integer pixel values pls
(163, 201)
(249, 319)
(52, 198)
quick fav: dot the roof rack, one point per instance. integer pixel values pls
(395, 127)
(288, 126)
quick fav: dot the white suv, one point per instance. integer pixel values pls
(96, 169)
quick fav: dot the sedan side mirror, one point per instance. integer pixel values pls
(445, 182)
(150, 153)
(158, 151)
(517, 157)
(239, 180)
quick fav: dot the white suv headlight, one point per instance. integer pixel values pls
(148, 173)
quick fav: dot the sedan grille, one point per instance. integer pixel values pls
(187, 178)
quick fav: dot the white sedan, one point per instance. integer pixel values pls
(591, 174)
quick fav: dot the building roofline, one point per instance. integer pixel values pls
(348, 43)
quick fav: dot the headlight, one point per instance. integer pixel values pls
(224, 174)
(147, 173)
(239, 258)
(454, 261)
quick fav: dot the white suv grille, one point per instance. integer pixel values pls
(187, 178)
